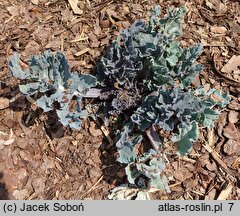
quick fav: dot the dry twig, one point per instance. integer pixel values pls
(217, 158)
(93, 187)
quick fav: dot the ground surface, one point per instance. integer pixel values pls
(47, 161)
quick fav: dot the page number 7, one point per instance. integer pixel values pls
(231, 205)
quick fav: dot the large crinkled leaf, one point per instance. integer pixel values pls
(150, 165)
(126, 153)
(160, 183)
(30, 88)
(166, 108)
(208, 117)
(50, 74)
(14, 66)
(143, 55)
(71, 119)
(135, 28)
(175, 64)
(123, 135)
(171, 25)
(153, 21)
(185, 138)
(152, 168)
(211, 97)
(172, 60)
(126, 145)
(86, 81)
(48, 71)
(185, 68)
(153, 171)
(46, 103)
(132, 174)
(172, 108)
(218, 97)
(140, 116)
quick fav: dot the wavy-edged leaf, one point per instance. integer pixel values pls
(150, 165)
(185, 138)
(14, 66)
(50, 74)
(127, 153)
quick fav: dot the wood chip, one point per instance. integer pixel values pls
(231, 131)
(196, 82)
(35, 2)
(184, 158)
(226, 192)
(210, 137)
(105, 23)
(232, 65)
(31, 48)
(227, 79)
(209, 4)
(196, 192)
(6, 139)
(20, 194)
(182, 174)
(112, 14)
(231, 147)
(77, 39)
(82, 52)
(13, 10)
(217, 158)
(74, 6)
(233, 117)
(211, 195)
(218, 29)
(4, 103)
(39, 185)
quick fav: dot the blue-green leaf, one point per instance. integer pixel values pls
(50, 75)
(185, 138)
(14, 66)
